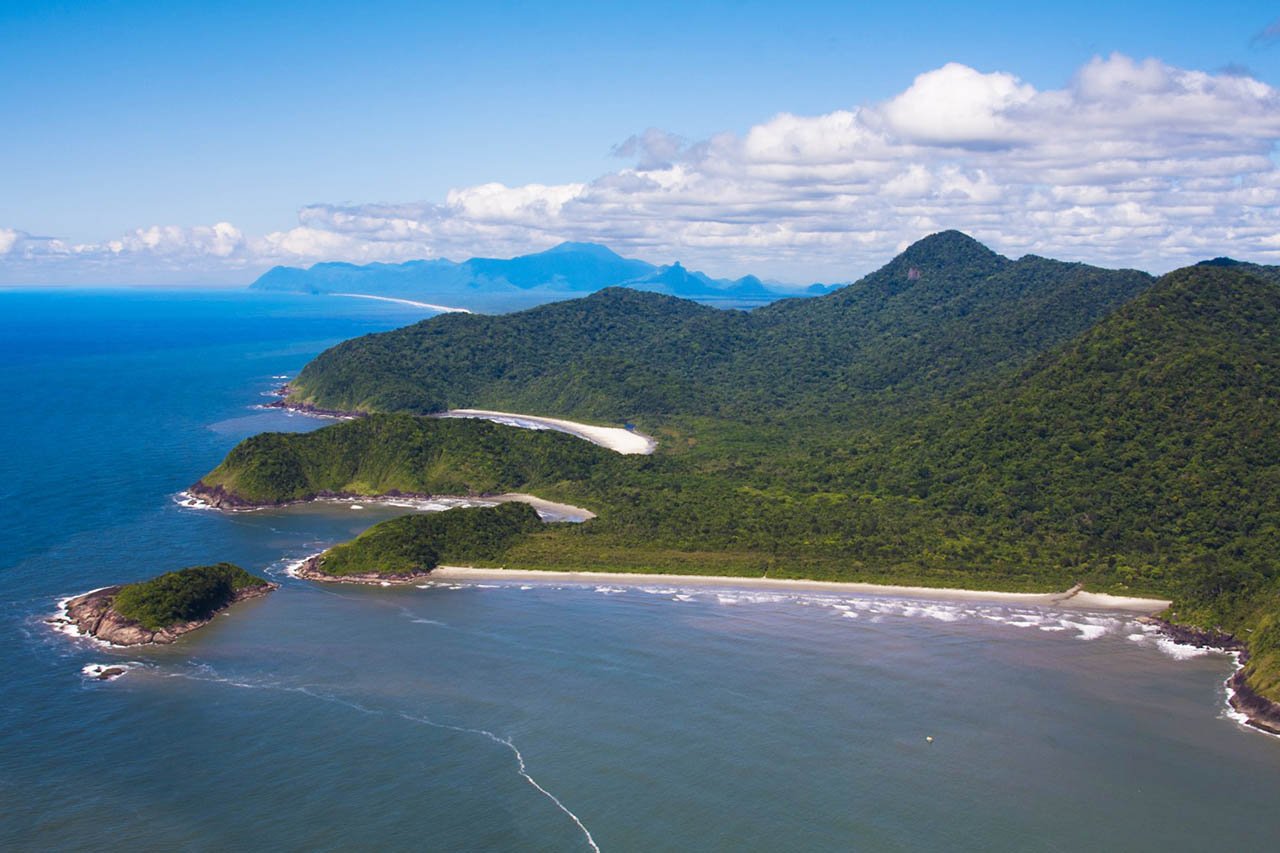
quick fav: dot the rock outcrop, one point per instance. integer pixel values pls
(94, 616)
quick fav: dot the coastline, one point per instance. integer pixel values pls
(628, 442)
(443, 309)
(306, 570)
(1073, 599)
(203, 498)
(92, 615)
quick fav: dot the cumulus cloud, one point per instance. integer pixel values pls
(1133, 163)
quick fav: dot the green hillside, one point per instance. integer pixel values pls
(946, 311)
(183, 596)
(412, 544)
(399, 453)
(953, 419)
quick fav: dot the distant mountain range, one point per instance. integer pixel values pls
(569, 269)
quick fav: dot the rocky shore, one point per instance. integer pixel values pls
(219, 498)
(1260, 712)
(310, 570)
(93, 615)
(283, 393)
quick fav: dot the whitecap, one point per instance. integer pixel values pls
(107, 671)
(1087, 631)
(1182, 651)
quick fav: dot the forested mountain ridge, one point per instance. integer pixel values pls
(1038, 424)
(946, 311)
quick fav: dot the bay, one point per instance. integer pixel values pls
(542, 716)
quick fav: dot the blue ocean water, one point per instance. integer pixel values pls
(514, 716)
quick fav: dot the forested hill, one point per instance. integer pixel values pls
(945, 312)
(1153, 438)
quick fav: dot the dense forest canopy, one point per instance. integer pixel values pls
(948, 310)
(186, 595)
(954, 418)
(412, 544)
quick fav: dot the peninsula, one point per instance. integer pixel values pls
(405, 549)
(162, 609)
(955, 419)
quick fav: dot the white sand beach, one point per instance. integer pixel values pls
(549, 510)
(445, 309)
(617, 439)
(1068, 599)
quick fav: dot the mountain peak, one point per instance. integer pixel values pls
(945, 253)
(947, 247)
(570, 247)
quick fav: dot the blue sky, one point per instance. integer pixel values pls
(121, 117)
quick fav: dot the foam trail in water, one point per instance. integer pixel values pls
(521, 768)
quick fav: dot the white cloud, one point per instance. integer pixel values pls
(1134, 163)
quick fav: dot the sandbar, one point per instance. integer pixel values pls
(444, 309)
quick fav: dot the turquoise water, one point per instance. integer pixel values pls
(523, 716)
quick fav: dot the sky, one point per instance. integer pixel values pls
(202, 143)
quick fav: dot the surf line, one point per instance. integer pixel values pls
(521, 767)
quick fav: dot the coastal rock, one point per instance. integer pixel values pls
(283, 402)
(1207, 638)
(1263, 714)
(94, 616)
(218, 497)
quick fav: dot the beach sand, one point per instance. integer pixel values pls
(548, 509)
(1072, 599)
(445, 309)
(617, 439)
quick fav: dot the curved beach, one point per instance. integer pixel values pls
(617, 439)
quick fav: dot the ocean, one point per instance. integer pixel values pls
(523, 715)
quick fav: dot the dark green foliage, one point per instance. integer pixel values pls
(400, 453)
(183, 596)
(418, 543)
(946, 311)
(953, 419)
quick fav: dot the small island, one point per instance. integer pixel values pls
(164, 608)
(404, 550)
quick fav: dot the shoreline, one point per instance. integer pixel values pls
(443, 309)
(214, 499)
(621, 440)
(627, 442)
(92, 616)
(1072, 599)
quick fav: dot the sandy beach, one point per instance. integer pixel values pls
(549, 510)
(446, 309)
(1070, 599)
(617, 439)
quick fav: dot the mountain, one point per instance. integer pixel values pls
(564, 270)
(955, 418)
(945, 311)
